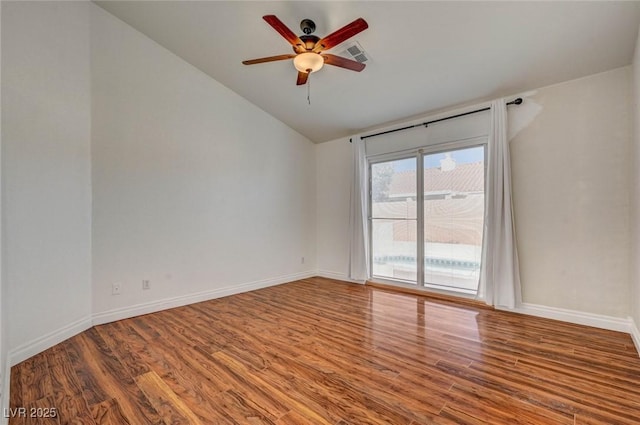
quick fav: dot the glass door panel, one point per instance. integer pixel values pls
(394, 219)
(453, 218)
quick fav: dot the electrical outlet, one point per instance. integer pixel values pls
(301, 260)
(116, 288)
(146, 285)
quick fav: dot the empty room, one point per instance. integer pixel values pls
(319, 212)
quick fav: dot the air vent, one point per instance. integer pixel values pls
(354, 51)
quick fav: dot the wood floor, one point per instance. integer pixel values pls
(318, 352)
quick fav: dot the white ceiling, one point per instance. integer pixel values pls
(423, 55)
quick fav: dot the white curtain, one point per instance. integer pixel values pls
(500, 276)
(358, 219)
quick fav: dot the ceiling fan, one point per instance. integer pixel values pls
(309, 49)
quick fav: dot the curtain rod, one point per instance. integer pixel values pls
(517, 101)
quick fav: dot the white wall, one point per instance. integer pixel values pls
(333, 182)
(570, 171)
(635, 189)
(46, 168)
(194, 188)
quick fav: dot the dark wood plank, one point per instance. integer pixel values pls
(42, 412)
(108, 412)
(16, 387)
(166, 402)
(88, 372)
(128, 349)
(111, 379)
(67, 393)
(35, 379)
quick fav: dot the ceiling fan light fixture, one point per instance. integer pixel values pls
(308, 62)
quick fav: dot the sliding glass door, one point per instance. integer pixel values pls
(429, 206)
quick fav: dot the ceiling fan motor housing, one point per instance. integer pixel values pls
(309, 41)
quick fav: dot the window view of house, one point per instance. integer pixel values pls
(453, 219)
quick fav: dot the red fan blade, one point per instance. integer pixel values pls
(268, 59)
(284, 31)
(343, 62)
(302, 78)
(341, 35)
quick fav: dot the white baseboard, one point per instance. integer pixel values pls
(179, 301)
(6, 387)
(573, 316)
(337, 276)
(46, 341)
(635, 335)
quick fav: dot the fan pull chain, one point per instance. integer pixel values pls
(309, 88)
